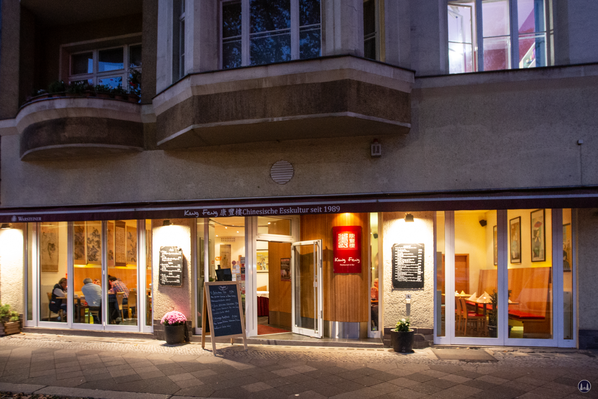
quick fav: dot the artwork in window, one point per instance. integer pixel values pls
(79, 243)
(131, 245)
(538, 230)
(262, 261)
(110, 243)
(495, 245)
(567, 248)
(515, 240)
(120, 243)
(94, 242)
(49, 247)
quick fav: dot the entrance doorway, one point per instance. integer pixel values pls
(306, 276)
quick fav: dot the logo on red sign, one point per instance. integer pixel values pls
(347, 249)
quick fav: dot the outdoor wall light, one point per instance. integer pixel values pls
(5, 226)
(409, 218)
(167, 222)
(375, 149)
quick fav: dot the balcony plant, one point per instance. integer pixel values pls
(10, 322)
(174, 323)
(493, 315)
(56, 87)
(401, 337)
(76, 89)
(134, 85)
(103, 91)
(119, 93)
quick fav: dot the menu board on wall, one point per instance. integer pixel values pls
(171, 266)
(408, 266)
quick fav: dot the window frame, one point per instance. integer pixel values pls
(513, 36)
(95, 76)
(246, 35)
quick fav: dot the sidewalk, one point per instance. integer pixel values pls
(132, 368)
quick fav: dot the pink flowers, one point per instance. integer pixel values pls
(173, 318)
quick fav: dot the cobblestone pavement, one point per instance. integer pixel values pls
(130, 368)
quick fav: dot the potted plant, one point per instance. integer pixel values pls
(10, 322)
(174, 327)
(103, 91)
(401, 337)
(57, 87)
(134, 86)
(120, 93)
(76, 89)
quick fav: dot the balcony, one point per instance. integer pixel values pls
(328, 97)
(66, 127)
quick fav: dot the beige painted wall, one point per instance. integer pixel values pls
(396, 231)
(11, 266)
(167, 298)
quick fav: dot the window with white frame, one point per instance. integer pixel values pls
(370, 30)
(113, 67)
(487, 35)
(257, 32)
(178, 45)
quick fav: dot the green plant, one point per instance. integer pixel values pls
(7, 315)
(119, 91)
(76, 87)
(58, 86)
(135, 82)
(493, 313)
(403, 325)
(103, 89)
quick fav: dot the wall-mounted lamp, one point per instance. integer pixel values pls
(5, 226)
(376, 149)
(167, 222)
(409, 218)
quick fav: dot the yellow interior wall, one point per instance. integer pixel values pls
(471, 238)
(526, 256)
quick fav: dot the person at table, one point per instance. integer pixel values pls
(93, 297)
(58, 300)
(116, 285)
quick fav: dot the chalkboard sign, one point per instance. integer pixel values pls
(171, 266)
(222, 305)
(408, 265)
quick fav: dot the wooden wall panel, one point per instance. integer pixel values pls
(346, 296)
(280, 291)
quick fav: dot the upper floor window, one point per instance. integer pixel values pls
(257, 32)
(370, 31)
(178, 45)
(114, 67)
(487, 35)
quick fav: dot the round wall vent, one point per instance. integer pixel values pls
(282, 172)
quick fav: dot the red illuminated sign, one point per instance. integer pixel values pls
(347, 249)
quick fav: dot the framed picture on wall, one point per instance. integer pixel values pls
(538, 235)
(94, 242)
(567, 250)
(495, 245)
(262, 261)
(515, 240)
(131, 245)
(79, 243)
(120, 243)
(110, 244)
(49, 247)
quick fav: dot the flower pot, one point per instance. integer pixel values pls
(402, 341)
(174, 334)
(9, 328)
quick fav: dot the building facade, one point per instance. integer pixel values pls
(351, 163)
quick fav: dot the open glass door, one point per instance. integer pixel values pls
(307, 288)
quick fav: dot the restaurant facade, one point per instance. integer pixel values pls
(347, 167)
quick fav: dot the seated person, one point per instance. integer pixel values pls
(59, 291)
(116, 285)
(93, 296)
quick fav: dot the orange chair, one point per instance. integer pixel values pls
(470, 317)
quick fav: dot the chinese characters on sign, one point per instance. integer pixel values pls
(282, 210)
(347, 249)
(171, 266)
(408, 266)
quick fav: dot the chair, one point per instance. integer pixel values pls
(458, 314)
(60, 311)
(119, 300)
(95, 311)
(470, 317)
(131, 305)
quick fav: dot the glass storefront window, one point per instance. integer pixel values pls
(374, 287)
(476, 286)
(440, 276)
(530, 273)
(53, 244)
(87, 256)
(568, 267)
(31, 232)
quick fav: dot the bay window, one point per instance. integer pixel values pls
(258, 32)
(110, 67)
(487, 35)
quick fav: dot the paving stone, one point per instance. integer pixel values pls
(256, 387)
(419, 377)
(425, 388)
(189, 383)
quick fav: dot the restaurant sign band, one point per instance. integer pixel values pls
(347, 249)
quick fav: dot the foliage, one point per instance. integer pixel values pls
(7, 315)
(135, 82)
(119, 91)
(173, 318)
(76, 87)
(58, 86)
(103, 89)
(403, 325)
